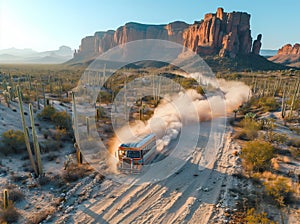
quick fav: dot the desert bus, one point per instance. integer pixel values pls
(136, 154)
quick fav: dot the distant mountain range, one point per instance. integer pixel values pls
(29, 56)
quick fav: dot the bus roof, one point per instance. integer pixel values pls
(138, 144)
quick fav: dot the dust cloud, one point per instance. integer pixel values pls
(182, 109)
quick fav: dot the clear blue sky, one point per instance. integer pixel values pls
(48, 24)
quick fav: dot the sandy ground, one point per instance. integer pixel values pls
(190, 195)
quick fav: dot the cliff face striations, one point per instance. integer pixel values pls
(225, 34)
(102, 41)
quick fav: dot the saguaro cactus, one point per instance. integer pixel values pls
(75, 126)
(5, 199)
(283, 104)
(44, 96)
(35, 143)
(26, 136)
(97, 114)
(294, 97)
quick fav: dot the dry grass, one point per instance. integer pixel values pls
(266, 175)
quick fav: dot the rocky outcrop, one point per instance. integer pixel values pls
(288, 55)
(257, 45)
(103, 41)
(225, 34)
(289, 49)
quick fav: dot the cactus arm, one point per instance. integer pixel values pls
(26, 132)
(75, 122)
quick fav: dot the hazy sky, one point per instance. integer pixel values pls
(48, 24)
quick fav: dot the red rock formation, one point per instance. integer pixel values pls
(226, 34)
(102, 41)
(289, 49)
(288, 55)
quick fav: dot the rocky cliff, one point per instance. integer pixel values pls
(102, 41)
(225, 34)
(288, 55)
(289, 49)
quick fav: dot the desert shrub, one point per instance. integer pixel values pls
(9, 215)
(48, 146)
(13, 141)
(250, 128)
(60, 134)
(44, 180)
(279, 189)
(279, 138)
(266, 175)
(61, 120)
(104, 97)
(254, 217)
(275, 164)
(74, 172)
(257, 155)
(268, 104)
(47, 113)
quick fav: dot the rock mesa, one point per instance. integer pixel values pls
(225, 34)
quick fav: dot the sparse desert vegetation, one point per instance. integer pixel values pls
(265, 134)
(265, 128)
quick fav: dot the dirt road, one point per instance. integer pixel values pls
(189, 195)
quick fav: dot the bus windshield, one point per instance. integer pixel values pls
(133, 154)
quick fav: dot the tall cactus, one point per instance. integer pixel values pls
(75, 124)
(30, 83)
(5, 199)
(283, 104)
(37, 97)
(97, 114)
(44, 97)
(35, 143)
(294, 97)
(26, 136)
